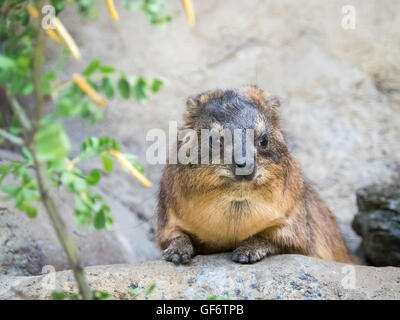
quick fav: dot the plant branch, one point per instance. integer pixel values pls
(19, 111)
(37, 68)
(41, 171)
(14, 139)
(61, 231)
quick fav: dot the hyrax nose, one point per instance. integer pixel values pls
(240, 164)
(244, 170)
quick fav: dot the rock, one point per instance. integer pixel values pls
(379, 196)
(277, 277)
(378, 223)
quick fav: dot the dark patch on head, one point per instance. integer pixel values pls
(232, 111)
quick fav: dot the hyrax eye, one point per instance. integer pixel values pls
(263, 143)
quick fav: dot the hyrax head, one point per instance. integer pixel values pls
(238, 134)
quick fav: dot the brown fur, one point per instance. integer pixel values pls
(277, 212)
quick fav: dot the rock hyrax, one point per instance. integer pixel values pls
(209, 208)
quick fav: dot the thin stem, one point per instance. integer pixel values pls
(61, 231)
(41, 171)
(19, 111)
(37, 69)
(13, 139)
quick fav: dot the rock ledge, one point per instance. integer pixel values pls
(277, 277)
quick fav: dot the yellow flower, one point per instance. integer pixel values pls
(53, 35)
(132, 170)
(188, 5)
(64, 34)
(32, 11)
(61, 30)
(112, 10)
(85, 86)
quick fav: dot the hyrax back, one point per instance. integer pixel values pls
(206, 208)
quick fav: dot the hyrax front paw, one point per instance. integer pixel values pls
(179, 251)
(251, 250)
(247, 255)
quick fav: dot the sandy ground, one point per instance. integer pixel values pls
(340, 89)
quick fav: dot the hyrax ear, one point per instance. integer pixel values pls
(196, 102)
(192, 103)
(193, 107)
(261, 98)
(272, 102)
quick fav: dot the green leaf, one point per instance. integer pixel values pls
(150, 289)
(51, 143)
(107, 162)
(87, 8)
(79, 185)
(27, 88)
(109, 221)
(24, 17)
(93, 84)
(47, 82)
(59, 165)
(100, 220)
(107, 87)
(99, 295)
(140, 90)
(3, 27)
(6, 169)
(124, 88)
(11, 190)
(94, 177)
(20, 85)
(94, 146)
(59, 5)
(131, 5)
(15, 126)
(83, 213)
(6, 63)
(154, 9)
(138, 167)
(156, 85)
(218, 298)
(64, 296)
(30, 211)
(58, 295)
(67, 178)
(92, 67)
(27, 154)
(106, 69)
